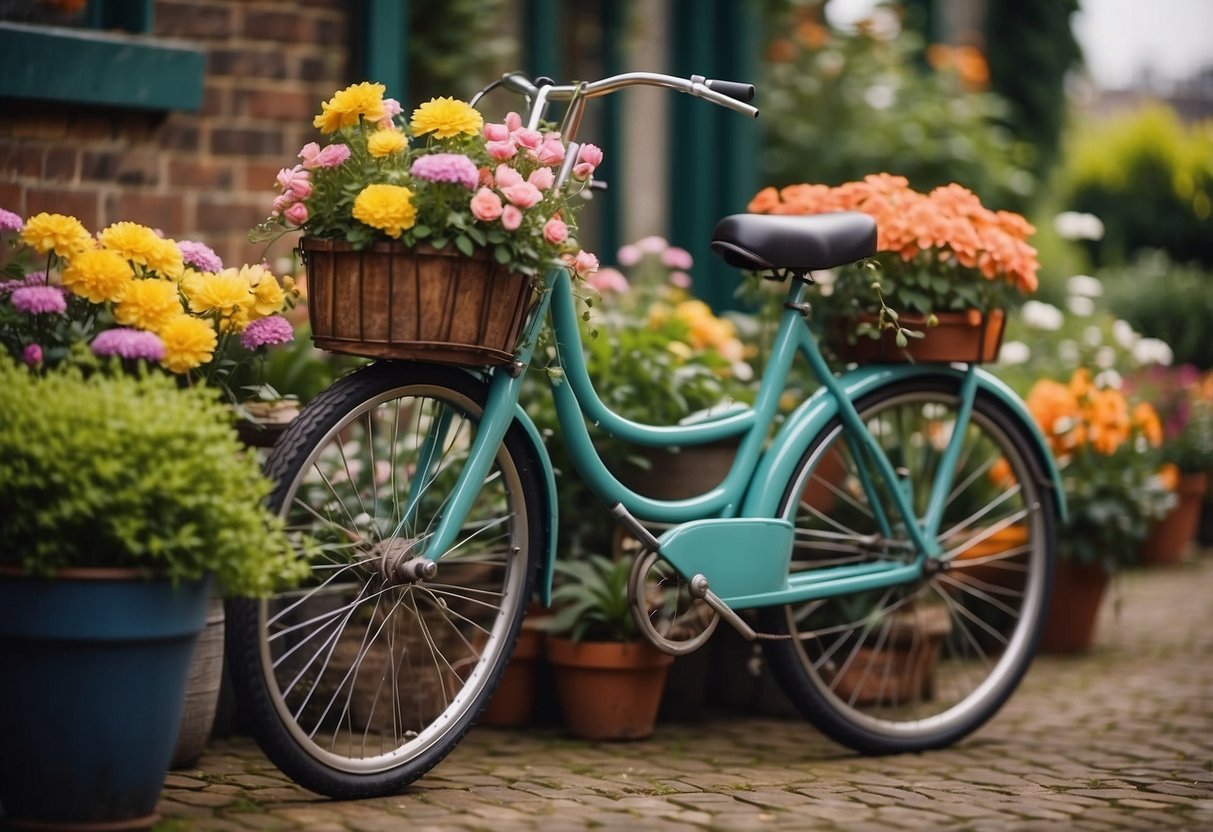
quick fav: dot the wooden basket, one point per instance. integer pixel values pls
(956, 338)
(423, 304)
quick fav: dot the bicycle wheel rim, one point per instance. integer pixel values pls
(856, 679)
(375, 690)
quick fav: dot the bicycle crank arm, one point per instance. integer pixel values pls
(699, 589)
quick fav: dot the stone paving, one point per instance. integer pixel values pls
(1121, 738)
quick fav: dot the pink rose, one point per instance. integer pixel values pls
(551, 152)
(297, 213)
(525, 137)
(605, 281)
(282, 202)
(511, 218)
(500, 151)
(653, 244)
(677, 258)
(542, 178)
(32, 355)
(301, 188)
(555, 231)
(590, 154)
(332, 156)
(513, 121)
(506, 176)
(486, 205)
(628, 255)
(680, 279)
(583, 170)
(287, 177)
(585, 263)
(391, 109)
(524, 194)
(496, 133)
(309, 154)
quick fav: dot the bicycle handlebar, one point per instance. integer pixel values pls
(731, 94)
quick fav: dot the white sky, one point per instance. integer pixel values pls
(1121, 38)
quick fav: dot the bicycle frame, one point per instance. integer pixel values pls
(756, 462)
(752, 490)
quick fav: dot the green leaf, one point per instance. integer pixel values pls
(501, 254)
(464, 245)
(421, 231)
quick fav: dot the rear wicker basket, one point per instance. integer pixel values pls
(424, 304)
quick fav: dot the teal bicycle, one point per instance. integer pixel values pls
(901, 518)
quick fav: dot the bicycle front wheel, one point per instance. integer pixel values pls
(361, 680)
(916, 666)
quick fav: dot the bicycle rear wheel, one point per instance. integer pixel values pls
(917, 666)
(361, 680)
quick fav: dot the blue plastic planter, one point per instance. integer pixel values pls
(92, 681)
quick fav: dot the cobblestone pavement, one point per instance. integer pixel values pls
(1118, 739)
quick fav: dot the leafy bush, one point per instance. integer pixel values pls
(847, 105)
(101, 469)
(1164, 300)
(591, 600)
(1149, 178)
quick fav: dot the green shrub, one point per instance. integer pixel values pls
(1164, 300)
(101, 469)
(1149, 178)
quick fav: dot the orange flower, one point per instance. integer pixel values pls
(764, 201)
(1107, 415)
(1145, 418)
(1169, 476)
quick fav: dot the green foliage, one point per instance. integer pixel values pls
(591, 600)
(1030, 47)
(1166, 300)
(453, 46)
(104, 469)
(846, 105)
(1149, 178)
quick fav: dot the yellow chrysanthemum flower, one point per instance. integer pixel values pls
(345, 107)
(165, 259)
(224, 292)
(386, 207)
(148, 304)
(189, 342)
(99, 275)
(133, 241)
(386, 142)
(59, 233)
(268, 297)
(446, 117)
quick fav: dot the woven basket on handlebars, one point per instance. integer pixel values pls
(423, 304)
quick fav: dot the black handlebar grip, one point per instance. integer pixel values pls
(733, 89)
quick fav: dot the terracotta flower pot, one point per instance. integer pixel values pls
(1172, 536)
(959, 336)
(1078, 591)
(608, 690)
(513, 702)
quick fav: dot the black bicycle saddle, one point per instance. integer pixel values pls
(761, 242)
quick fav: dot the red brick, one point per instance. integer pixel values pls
(236, 141)
(290, 26)
(285, 104)
(193, 20)
(23, 159)
(181, 135)
(220, 213)
(259, 177)
(135, 166)
(11, 198)
(164, 212)
(61, 164)
(216, 101)
(189, 172)
(263, 61)
(81, 203)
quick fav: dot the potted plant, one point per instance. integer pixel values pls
(134, 295)
(945, 271)
(608, 679)
(1108, 449)
(422, 235)
(1186, 412)
(125, 497)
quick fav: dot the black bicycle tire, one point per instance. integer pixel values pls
(255, 705)
(782, 656)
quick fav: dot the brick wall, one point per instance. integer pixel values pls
(207, 175)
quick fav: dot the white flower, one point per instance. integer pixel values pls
(1080, 305)
(1124, 334)
(1084, 285)
(1092, 336)
(1067, 351)
(1108, 380)
(1014, 352)
(1153, 351)
(1072, 225)
(1105, 357)
(1044, 316)
(879, 96)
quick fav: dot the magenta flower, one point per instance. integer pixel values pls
(199, 255)
(267, 332)
(10, 221)
(447, 167)
(39, 300)
(32, 355)
(128, 343)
